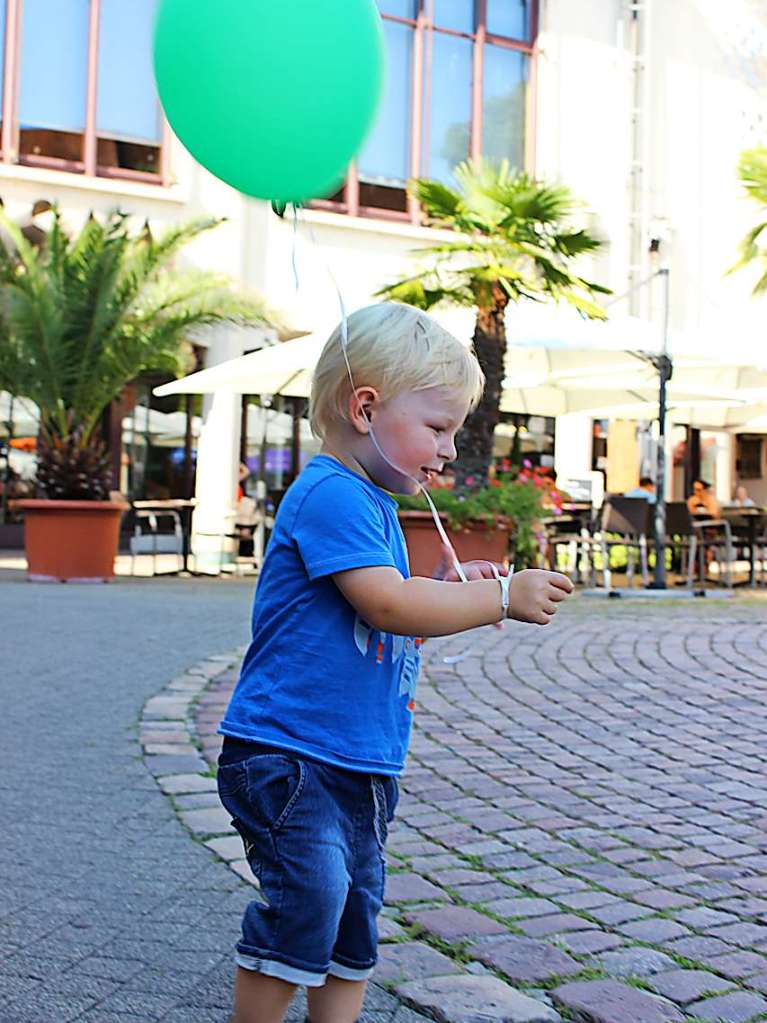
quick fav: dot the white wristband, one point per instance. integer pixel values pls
(504, 581)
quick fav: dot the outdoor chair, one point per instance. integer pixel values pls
(760, 555)
(693, 538)
(149, 536)
(574, 533)
(625, 522)
(714, 535)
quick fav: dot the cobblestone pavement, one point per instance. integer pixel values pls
(583, 825)
(109, 911)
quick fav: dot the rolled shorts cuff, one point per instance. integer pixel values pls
(282, 971)
(349, 973)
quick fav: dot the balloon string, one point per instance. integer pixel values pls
(344, 346)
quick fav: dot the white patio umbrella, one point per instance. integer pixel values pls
(548, 381)
(284, 368)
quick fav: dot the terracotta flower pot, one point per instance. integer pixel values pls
(71, 541)
(477, 541)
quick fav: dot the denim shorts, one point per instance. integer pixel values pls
(314, 837)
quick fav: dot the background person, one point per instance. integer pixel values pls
(702, 502)
(645, 490)
(741, 498)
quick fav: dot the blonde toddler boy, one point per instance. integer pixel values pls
(317, 729)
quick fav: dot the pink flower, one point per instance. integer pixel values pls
(470, 481)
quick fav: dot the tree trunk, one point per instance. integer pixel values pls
(475, 439)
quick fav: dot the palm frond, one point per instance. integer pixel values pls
(86, 314)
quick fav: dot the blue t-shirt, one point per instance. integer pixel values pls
(317, 679)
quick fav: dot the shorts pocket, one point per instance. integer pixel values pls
(274, 786)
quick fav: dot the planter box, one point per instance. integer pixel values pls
(476, 542)
(71, 541)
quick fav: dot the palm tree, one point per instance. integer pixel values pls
(514, 241)
(752, 171)
(82, 316)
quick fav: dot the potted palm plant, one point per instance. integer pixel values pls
(81, 316)
(515, 240)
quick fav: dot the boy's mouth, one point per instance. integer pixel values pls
(429, 473)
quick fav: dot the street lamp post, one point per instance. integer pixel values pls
(664, 365)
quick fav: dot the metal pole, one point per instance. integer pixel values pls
(664, 371)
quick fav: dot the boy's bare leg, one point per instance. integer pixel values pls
(338, 1001)
(260, 999)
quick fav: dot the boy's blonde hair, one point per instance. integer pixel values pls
(394, 348)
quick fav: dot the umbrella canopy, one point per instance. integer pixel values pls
(554, 364)
(284, 368)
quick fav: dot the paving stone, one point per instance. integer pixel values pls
(229, 848)
(737, 1007)
(738, 964)
(411, 888)
(170, 764)
(635, 962)
(703, 919)
(587, 900)
(177, 783)
(590, 942)
(607, 1001)
(521, 907)
(659, 898)
(685, 986)
(698, 947)
(619, 913)
(411, 960)
(523, 960)
(469, 999)
(211, 821)
(655, 929)
(742, 934)
(454, 922)
(389, 930)
(557, 923)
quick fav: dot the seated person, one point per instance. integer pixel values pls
(702, 502)
(645, 490)
(741, 499)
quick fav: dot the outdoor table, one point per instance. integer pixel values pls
(745, 523)
(184, 507)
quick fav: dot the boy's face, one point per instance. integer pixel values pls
(416, 431)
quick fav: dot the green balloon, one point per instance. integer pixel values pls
(274, 97)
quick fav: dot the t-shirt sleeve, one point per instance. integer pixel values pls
(340, 526)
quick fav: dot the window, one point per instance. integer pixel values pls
(80, 87)
(457, 86)
(748, 456)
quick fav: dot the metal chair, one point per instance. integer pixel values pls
(714, 535)
(694, 537)
(156, 540)
(625, 522)
(572, 532)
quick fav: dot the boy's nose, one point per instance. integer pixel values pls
(448, 452)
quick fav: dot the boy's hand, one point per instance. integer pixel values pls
(534, 595)
(445, 571)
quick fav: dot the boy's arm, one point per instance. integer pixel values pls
(429, 607)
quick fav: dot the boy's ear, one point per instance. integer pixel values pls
(362, 402)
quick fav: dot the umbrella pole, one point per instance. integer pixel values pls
(664, 366)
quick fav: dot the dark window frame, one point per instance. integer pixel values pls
(423, 27)
(88, 163)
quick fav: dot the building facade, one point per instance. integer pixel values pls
(642, 108)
